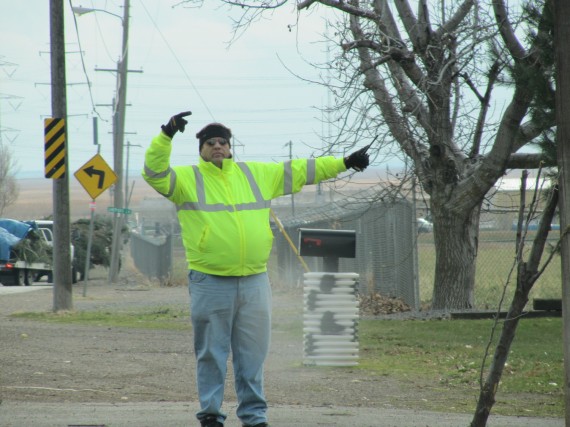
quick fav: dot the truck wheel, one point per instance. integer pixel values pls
(27, 279)
(21, 277)
(8, 279)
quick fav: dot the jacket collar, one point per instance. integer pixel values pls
(209, 167)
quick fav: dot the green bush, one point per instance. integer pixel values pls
(101, 242)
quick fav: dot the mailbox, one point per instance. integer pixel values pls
(327, 243)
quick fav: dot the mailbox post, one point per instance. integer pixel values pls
(331, 309)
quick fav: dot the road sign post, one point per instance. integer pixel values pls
(92, 207)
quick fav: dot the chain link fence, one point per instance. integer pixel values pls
(495, 277)
(386, 256)
(385, 245)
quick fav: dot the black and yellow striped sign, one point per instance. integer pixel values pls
(54, 145)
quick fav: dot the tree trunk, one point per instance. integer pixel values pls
(456, 239)
(527, 275)
(489, 388)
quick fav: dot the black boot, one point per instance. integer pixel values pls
(210, 421)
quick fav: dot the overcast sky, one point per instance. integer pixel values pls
(187, 65)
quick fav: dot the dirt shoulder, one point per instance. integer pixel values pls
(65, 363)
(52, 362)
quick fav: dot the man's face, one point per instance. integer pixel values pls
(215, 150)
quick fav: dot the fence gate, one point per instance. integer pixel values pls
(152, 256)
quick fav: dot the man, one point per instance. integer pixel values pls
(223, 209)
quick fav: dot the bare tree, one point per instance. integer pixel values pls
(527, 273)
(8, 185)
(426, 81)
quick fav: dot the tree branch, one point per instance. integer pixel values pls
(424, 26)
(408, 96)
(259, 5)
(452, 24)
(528, 161)
(539, 242)
(407, 63)
(484, 100)
(305, 4)
(394, 53)
(375, 83)
(529, 131)
(341, 5)
(507, 32)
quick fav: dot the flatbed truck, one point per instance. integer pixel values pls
(18, 272)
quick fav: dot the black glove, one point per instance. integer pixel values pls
(358, 160)
(175, 124)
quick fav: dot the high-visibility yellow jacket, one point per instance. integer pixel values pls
(224, 212)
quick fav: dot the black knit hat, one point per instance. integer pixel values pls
(214, 130)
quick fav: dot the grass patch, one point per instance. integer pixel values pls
(165, 317)
(448, 354)
(438, 362)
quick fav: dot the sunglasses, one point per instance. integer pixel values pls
(212, 142)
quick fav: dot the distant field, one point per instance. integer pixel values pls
(494, 262)
(35, 199)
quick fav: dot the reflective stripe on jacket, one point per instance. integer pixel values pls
(224, 213)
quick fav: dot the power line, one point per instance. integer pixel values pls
(178, 61)
(93, 109)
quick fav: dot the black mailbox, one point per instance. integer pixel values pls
(327, 243)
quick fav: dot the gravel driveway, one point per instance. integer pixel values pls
(51, 371)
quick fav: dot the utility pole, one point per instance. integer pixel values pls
(127, 193)
(561, 40)
(119, 107)
(118, 142)
(290, 144)
(62, 287)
